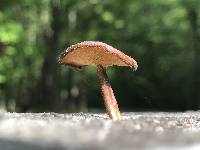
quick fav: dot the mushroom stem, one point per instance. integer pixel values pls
(108, 95)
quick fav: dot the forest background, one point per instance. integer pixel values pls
(161, 35)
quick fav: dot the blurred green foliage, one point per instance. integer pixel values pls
(162, 35)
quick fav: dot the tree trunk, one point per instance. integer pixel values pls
(50, 95)
(193, 18)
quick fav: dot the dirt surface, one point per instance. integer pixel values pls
(80, 131)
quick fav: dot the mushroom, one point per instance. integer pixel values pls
(101, 55)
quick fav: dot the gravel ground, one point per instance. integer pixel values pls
(86, 131)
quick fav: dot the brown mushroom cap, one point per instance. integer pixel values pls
(95, 53)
